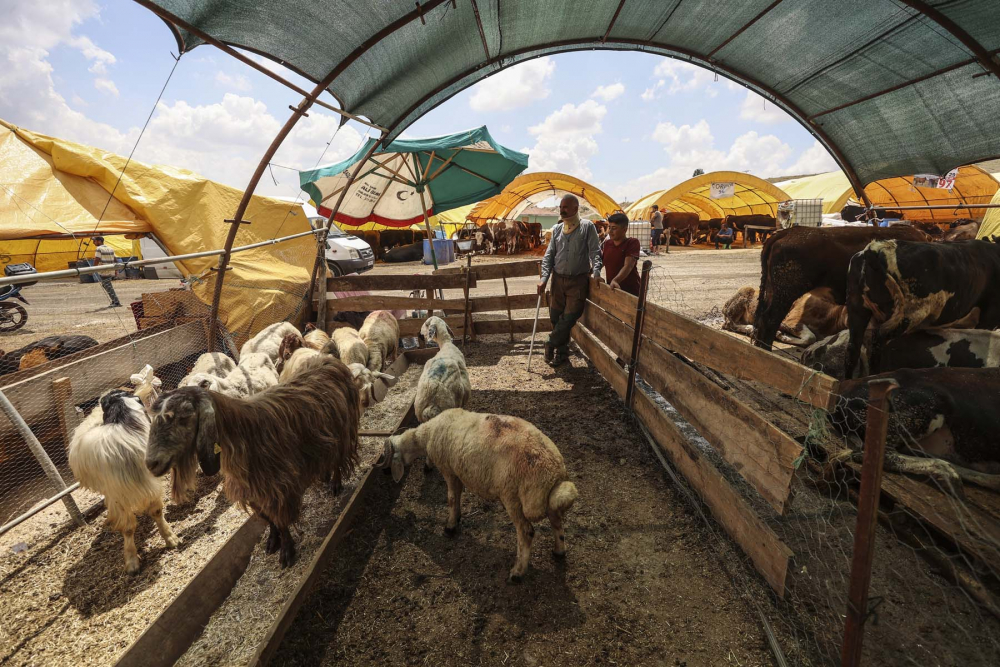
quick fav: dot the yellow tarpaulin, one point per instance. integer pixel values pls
(750, 195)
(528, 189)
(991, 221)
(186, 212)
(972, 186)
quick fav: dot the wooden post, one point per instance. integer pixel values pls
(510, 318)
(468, 305)
(864, 532)
(41, 456)
(637, 335)
(321, 275)
(62, 394)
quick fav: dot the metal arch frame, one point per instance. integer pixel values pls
(297, 112)
(678, 53)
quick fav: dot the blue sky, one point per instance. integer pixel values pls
(629, 123)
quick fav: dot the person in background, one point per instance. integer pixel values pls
(725, 236)
(620, 255)
(655, 229)
(104, 254)
(573, 255)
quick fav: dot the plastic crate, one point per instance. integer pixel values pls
(800, 212)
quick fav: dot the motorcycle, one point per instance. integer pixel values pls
(13, 316)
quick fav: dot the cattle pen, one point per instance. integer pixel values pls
(714, 525)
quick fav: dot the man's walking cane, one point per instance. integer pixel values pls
(534, 327)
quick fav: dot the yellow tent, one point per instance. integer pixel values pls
(991, 221)
(752, 195)
(972, 186)
(528, 189)
(186, 212)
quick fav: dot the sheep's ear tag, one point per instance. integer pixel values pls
(217, 449)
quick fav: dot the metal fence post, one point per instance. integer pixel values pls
(864, 533)
(41, 456)
(640, 309)
(322, 272)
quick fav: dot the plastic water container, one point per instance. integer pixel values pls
(444, 249)
(640, 230)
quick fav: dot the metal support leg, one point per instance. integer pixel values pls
(637, 335)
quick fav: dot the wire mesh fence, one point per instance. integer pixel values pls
(937, 551)
(75, 346)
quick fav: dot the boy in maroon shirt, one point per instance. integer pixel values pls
(621, 254)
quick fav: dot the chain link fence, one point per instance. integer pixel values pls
(937, 553)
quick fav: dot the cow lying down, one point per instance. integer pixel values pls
(814, 315)
(943, 424)
(929, 348)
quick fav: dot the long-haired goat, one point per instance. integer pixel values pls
(273, 445)
(495, 457)
(380, 332)
(444, 382)
(107, 454)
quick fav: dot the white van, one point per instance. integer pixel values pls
(345, 253)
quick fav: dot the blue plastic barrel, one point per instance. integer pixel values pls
(443, 248)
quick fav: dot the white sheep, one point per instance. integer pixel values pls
(495, 457)
(444, 382)
(268, 340)
(295, 363)
(364, 380)
(210, 363)
(107, 454)
(315, 339)
(254, 374)
(346, 344)
(380, 332)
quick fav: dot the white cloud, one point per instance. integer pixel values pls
(29, 31)
(608, 93)
(691, 147)
(238, 82)
(224, 141)
(515, 87)
(814, 160)
(675, 76)
(756, 109)
(106, 85)
(564, 141)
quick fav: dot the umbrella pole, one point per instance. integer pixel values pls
(427, 226)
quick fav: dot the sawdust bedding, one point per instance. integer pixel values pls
(64, 596)
(644, 582)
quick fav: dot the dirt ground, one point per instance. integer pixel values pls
(640, 586)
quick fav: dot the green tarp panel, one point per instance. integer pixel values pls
(892, 87)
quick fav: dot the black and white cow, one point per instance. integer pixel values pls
(903, 286)
(943, 424)
(930, 348)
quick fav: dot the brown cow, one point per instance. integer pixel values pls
(683, 225)
(962, 230)
(799, 259)
(739, 222)
(813, 316)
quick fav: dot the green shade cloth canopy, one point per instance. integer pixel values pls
(413, 179)
(890, 87)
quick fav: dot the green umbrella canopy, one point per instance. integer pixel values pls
(449, 171)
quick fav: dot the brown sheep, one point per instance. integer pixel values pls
(272, 446)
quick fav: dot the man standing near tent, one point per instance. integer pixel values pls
(572, 257)
(655, 229)
(620, 254)
(104, 254)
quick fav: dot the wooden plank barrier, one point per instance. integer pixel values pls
(481, 304)
(89, 375)
(762, 454)
(522, 269)
(451, 280)
(769, 555)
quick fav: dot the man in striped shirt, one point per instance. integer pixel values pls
(104, 254)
